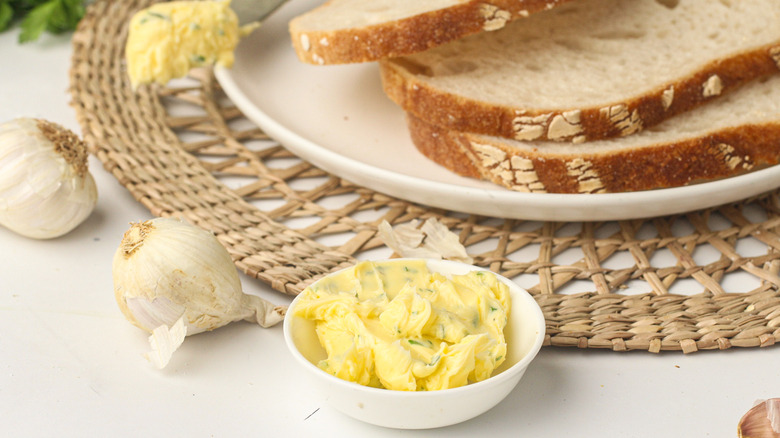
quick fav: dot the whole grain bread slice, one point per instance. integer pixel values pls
(351, 31)
(590, 69)
(736, 134)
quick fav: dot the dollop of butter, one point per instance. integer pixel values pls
(166, 40)
(397, 325)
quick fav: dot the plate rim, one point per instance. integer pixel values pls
(505, 203)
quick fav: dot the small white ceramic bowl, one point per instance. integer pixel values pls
(422, 410)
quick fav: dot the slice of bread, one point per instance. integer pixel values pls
(738, 133)
(350, 31)
(590, 69)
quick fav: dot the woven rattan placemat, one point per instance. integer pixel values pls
(679, 283)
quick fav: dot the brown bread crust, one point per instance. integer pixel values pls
(457, 113)
(409, 35)
(720, 154)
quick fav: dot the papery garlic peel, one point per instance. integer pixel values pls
(433, 240)
(165, 341)
(46, 189)
(165, 268)
(761, 421)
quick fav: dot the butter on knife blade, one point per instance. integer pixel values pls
(166, 40)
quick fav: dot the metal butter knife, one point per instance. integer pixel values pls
(249, 11)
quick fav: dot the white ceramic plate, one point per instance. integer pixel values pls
(338, 118)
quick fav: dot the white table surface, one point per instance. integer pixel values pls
(71, 365)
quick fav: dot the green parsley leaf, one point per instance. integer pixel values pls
(36, 21)
(37, 16)
(66, 16)
(6, 14)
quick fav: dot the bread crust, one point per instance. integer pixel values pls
(457, 113)
(719, 154)
(409, 35)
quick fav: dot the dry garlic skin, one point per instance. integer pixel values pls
(46, 189)
(165, 268)
(396, 325)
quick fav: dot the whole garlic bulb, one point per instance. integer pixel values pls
(166, 268)
(46, 189)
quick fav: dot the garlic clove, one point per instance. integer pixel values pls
(762, 421)
(165, 268)
(46, 189)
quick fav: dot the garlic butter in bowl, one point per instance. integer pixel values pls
(414, 343)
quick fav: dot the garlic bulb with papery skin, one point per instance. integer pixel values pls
(166, 268)
(46, 189)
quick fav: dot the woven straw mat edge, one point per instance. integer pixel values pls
(138, 142)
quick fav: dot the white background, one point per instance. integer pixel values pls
(71, 365)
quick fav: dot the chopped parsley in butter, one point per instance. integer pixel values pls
(396, 325)
(166, 40)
